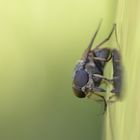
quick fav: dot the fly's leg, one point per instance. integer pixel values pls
(117, 68)
(108, 37)
(102, 99)
(90, 87)
(102, 77)
(97, 89)
(84, 56)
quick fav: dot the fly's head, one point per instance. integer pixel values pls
(80, 79)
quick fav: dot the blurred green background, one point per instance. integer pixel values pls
(40, 42)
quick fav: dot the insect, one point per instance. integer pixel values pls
(89, 72)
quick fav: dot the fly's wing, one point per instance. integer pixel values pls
(117, 72)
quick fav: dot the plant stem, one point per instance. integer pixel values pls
(122, 121)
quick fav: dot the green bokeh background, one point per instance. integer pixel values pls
(40, 42)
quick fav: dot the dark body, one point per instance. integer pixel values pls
(83, 74)
(89, 72)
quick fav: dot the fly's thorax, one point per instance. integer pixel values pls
(91, 68)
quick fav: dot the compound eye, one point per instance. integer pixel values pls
(81, 78)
